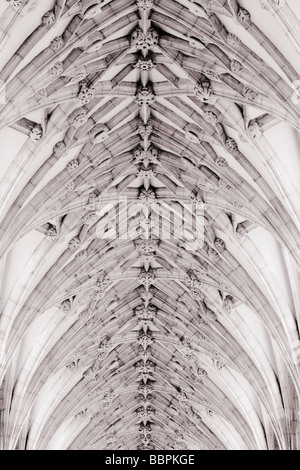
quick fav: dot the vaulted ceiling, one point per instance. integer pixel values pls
(140, 176)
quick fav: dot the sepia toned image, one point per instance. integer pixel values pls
(150, 226)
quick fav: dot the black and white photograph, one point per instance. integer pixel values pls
(149, 228)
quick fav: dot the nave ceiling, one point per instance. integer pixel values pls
(149, 224)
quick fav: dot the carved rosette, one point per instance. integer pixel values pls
(145, 64)
(220, 161)
(204, 92)
(147, 197)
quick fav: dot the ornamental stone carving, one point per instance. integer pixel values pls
(49, 18)
(52, 234)
(59, 149)
(145, 156)
(147, 277)
(204, 92)
(104, 348)
(241, 230)
(85, 95)
(57, 43)
(144, 312)
(244, 15)
(81, 256)
(72, 165)
(145, 5)
(145, 96)
(145, 367)
(220, 245)
(255, 130)
(93, 201)
(220, 161)
(145, 339)
(36, 133)
(66, 306)
(211, 116)
(74, 243)
(197, 295)
(91, 218)
(233, 40)
(193, 280)
(249, 94)
(212, 253)
(145, 130)
(231, 144)
(145, 414)
(236, 66)
(145, 389)
(228, 304)
(57, 69)
(146, 245)
(144, 41)
(145, 64)
(147, 197)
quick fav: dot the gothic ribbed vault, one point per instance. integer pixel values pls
(149, 224)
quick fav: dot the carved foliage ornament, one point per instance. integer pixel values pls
(48, 19)
(145, 5)
(85, 95)
(145, 96)
(204, 91)
(144, 42)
